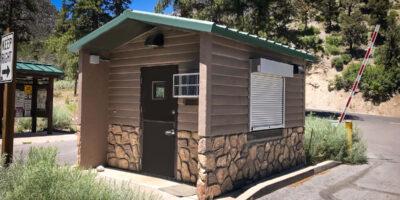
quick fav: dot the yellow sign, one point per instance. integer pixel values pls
(28, 89)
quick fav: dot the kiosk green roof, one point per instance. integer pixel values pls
(41, 69)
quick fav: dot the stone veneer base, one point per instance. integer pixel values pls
(124, 147)
(187, 159)
(228, 162)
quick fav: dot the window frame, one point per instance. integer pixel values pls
(153, 91)
(180, 85)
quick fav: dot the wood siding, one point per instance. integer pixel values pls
(180, 48)
(230, 72)
(294, 101)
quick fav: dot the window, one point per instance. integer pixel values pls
(266, 101)
(158, 90)
(186, 85)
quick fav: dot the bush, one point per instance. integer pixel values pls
(332, 50)
(310, 42)
(324, 141)
(346, 58)
(64, 85)
(334, 40)
(310, 30)
(338, 63)
(62, 118)
(22, 124)
(40, 177)
(377, 85)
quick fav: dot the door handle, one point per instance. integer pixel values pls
(170, 132)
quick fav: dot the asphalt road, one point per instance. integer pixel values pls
(67, 151)
(379, 179)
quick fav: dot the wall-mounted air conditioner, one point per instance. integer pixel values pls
(271, 67)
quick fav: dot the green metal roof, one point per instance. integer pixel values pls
(189, 24)
(36, 68)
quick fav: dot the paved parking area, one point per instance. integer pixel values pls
(65, 143)
(379, 179)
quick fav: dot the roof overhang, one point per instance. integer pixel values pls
(133, 23)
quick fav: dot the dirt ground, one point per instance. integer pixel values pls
(318, 96)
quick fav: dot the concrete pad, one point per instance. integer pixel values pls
(162, 188)
(181, 190)
(144, 180)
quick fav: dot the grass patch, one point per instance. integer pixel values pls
(324, 141)
(40, 177)
(64, 85)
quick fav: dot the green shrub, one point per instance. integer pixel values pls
(337, 63)
(324, 141)
(334, 40)
(40, 177)
(332, 49)
(346, 58)
(310, 30)
(64, 85)
(310, 42)
(377, 84)
(62, 118)
(22, 124)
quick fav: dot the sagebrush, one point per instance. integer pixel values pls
(327, 141)
(40, 177)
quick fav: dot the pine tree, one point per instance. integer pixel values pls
(353, 30)
(330, 11)
(116, 7)
(305, 10)
(17, 15)
(378, 11)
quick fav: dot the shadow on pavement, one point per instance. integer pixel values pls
(332, 115)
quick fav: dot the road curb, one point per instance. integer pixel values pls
(271, 185)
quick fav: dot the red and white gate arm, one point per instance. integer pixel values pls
(360, 71)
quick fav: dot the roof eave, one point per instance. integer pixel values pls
(255, 41)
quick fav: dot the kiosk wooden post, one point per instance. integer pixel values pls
(8, 109)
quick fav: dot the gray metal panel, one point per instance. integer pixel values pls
(266, 101)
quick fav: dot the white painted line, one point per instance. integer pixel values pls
(395, 123)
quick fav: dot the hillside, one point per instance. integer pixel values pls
(318, 96)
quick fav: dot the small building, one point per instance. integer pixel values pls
(34, 92)
(189, 100)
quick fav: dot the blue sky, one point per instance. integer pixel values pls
(144, 5)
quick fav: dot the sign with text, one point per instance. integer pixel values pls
(7, 58)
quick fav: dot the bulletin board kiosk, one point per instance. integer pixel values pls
(34, 92)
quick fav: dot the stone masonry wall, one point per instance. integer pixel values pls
(124, 149)
(187, 159)
(228, 162)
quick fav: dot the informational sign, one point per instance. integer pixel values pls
(41, 99)
(23, 101)
(7, 58)
(28, 89)
(19, 103)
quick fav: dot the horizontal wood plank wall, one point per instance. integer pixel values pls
(230, 87)
(294, 101)
(180, 48)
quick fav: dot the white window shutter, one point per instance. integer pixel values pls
(266, 101)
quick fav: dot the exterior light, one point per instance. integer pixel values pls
(156, 40)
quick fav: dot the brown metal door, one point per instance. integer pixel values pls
(159, 119)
